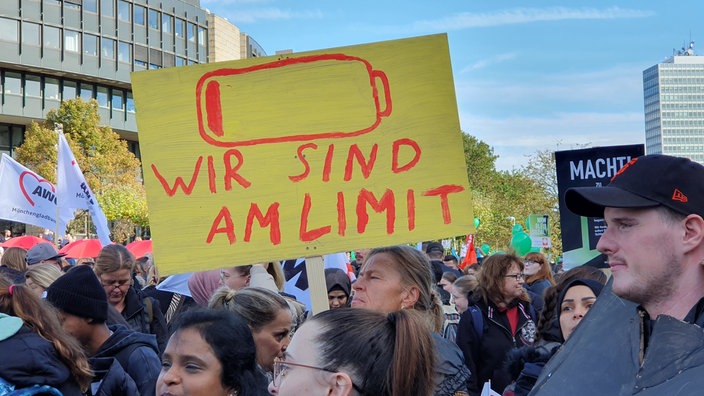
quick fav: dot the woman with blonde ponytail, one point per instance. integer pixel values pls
(395, 278)
(36, 349)
(267, 315)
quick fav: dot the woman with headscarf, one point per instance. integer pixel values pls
(575, 298)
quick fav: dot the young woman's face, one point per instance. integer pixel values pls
(578, 300)
(459, 300)
(272, 339)
(531, 267)
(378, 286)
(301, 374)
(190, 367)
(446, 285)
(233, 278)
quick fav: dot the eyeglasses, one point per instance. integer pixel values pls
(516, 276)
(529, 262)
(282, 366)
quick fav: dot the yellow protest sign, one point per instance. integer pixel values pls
(302, 154)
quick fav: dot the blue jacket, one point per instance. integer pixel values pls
(110, 379)
(28, 359)
(138, 355)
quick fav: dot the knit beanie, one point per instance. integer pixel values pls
(79, 293)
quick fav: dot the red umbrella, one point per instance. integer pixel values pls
(82, 248)
(140, 248)
(25, 242)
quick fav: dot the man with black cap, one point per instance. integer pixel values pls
(83, 306)
(644, 334)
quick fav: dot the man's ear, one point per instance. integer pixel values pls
(693, 232)
(340, 384)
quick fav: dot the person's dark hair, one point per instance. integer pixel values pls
(547, 316)
(390, 354)
(231, 341)
(44, 320)
(492, 275)
(414, 268)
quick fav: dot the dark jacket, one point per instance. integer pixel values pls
(28, 359)
(525, 364)
(138, 355)
(137, 316)
(110, 379)
(451, 374)
(609, 346)
(484, 354)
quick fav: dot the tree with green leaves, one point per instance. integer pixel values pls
(110, 169)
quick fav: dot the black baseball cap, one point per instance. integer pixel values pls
(645, 182)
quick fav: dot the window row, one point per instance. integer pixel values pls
(127, 11)
(49, 88)
(71, 41)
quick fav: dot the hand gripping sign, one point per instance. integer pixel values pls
(227, 119)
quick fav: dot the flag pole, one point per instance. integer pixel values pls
(59, 129)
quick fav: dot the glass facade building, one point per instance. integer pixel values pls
(673, 94)
(55, 50)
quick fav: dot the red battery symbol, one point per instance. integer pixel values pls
(292, 99)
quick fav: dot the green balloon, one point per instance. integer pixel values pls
(476, 222)
(521, 243)
(516, 229)
(485, 248)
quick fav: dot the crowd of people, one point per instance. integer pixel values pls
(411, 322)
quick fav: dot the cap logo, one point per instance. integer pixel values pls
(678, 196)
(623, 168)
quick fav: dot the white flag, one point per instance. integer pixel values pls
(74, 192)
(28, 198)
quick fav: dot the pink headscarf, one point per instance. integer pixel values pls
(203, 284)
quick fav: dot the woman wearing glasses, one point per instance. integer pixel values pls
(358, 352)
(114, 267)
(538, 277)
(211, 352)
(502, 305)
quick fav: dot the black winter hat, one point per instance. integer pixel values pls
(79, 293)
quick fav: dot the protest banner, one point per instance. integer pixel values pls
(302, 154)
(539, 230)
(27, 197)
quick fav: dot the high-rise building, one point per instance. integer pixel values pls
(673, 93)
(55, 50)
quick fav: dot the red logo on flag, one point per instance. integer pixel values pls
(678, 196)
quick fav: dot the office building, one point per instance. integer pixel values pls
(55, 50)
(673, 94)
